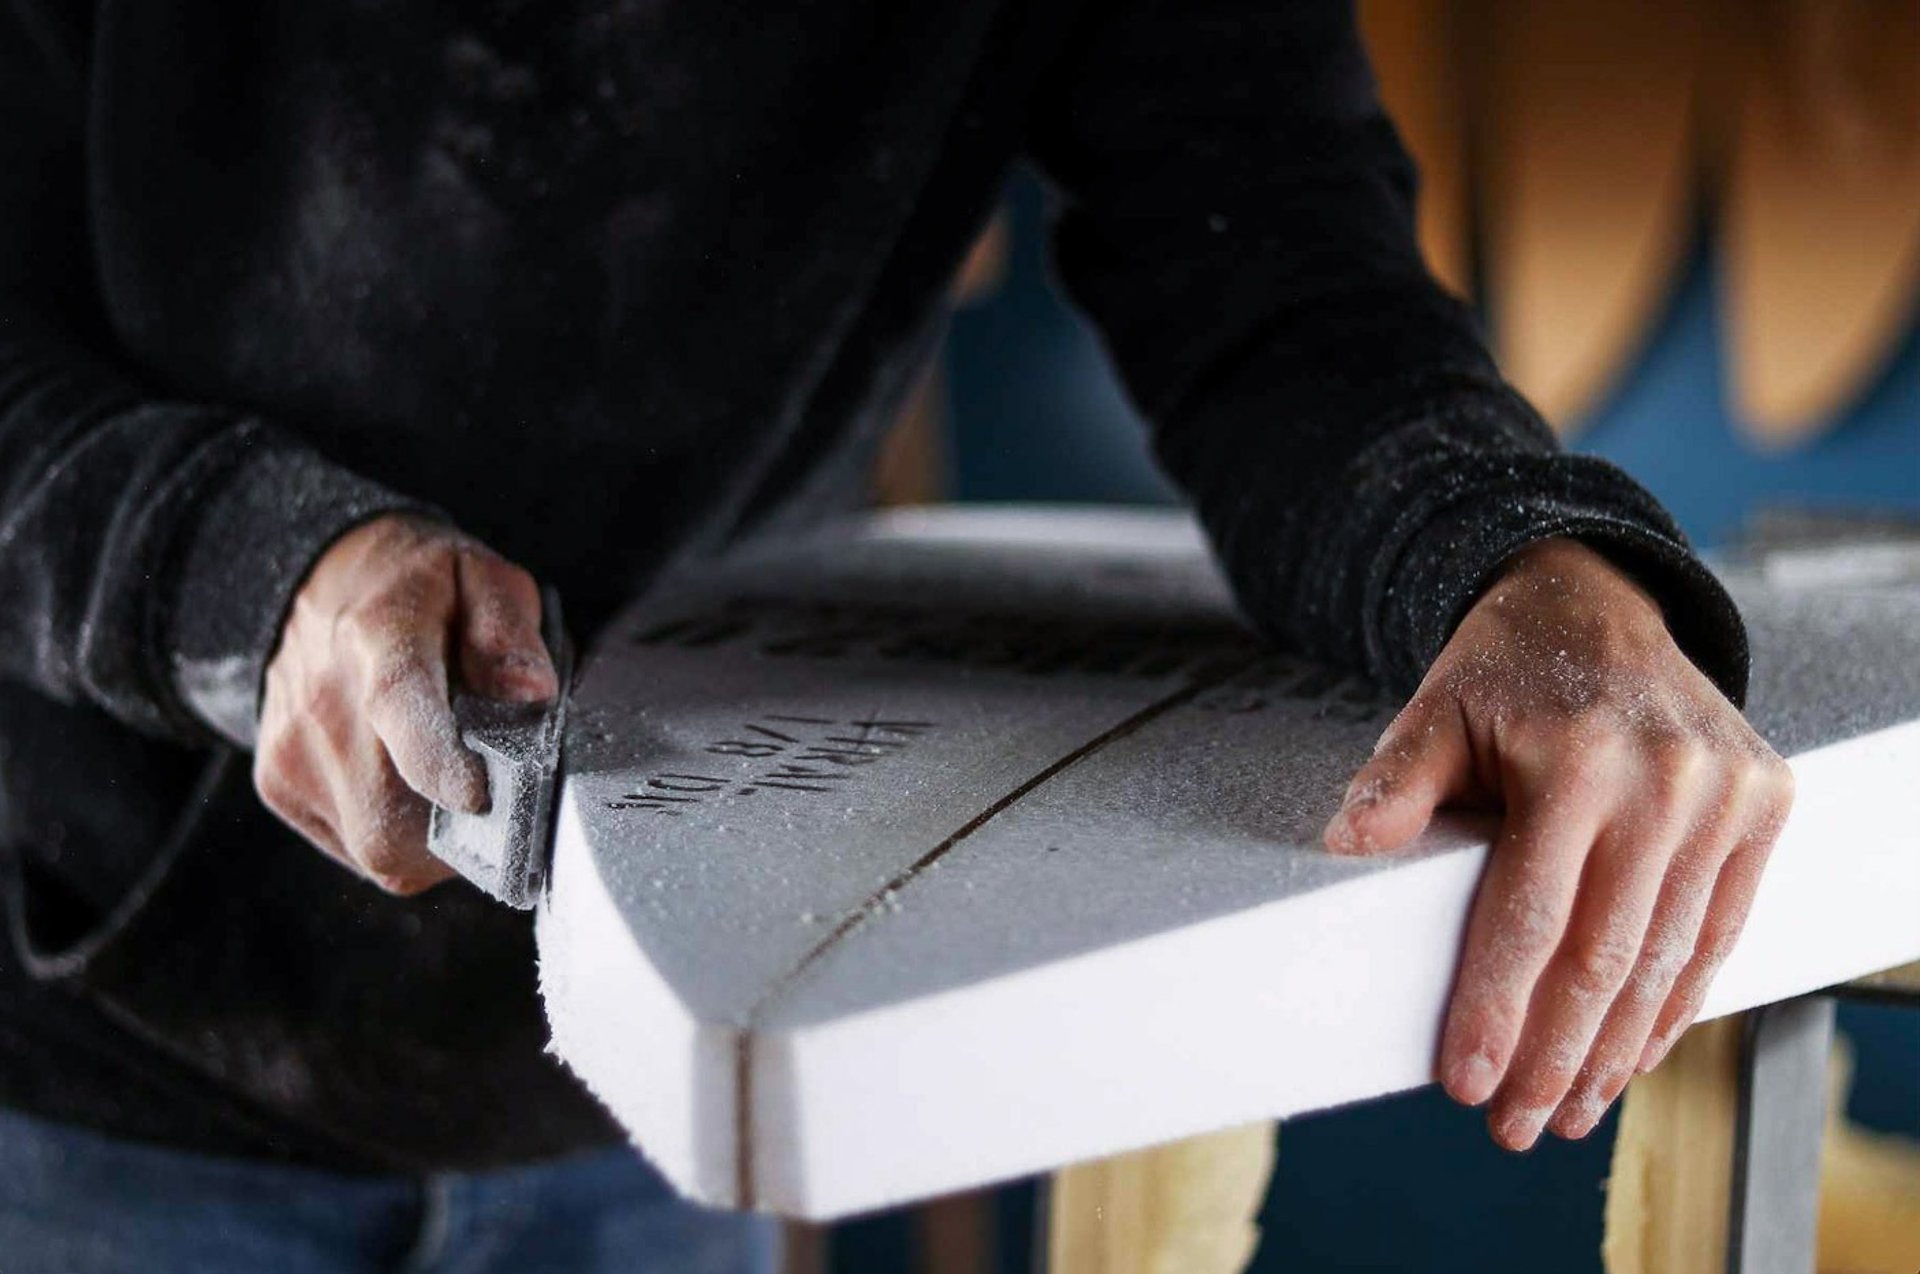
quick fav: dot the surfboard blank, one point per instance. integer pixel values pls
(964, 845)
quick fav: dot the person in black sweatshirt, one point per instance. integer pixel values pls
(326, 329)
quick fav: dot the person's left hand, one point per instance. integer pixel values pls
(1639, 809)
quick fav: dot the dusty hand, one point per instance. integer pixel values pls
(1639, 809)
(356, 734)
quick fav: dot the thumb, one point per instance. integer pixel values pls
(1422, 760)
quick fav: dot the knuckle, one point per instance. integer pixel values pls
(1680, 767)
(1716, 944)
(429, 551)
(1784, 782)
(409, 601)
(1599, 963)
(1660, 967)
(1531, 922)
(1684, 1012)
(1676, 1020)
(1776, 783)
(1689, 990)
(1749, 782)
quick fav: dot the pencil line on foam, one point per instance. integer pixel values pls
(744, 1176)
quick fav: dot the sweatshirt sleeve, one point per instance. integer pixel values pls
(148, 547)
(1238, 222)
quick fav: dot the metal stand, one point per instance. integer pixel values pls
(1780, 1122)
(1765, 1098)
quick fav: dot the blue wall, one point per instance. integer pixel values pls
(1413, 1183)
(1668, 425)
(1038, 415)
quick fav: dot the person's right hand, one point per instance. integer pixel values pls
(356, 731)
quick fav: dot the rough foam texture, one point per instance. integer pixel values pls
(969, 844)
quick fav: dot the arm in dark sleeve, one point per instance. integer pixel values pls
(147, 547)
(1238, 221)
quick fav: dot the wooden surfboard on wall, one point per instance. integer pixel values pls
(1588, 176)
(1822, 208)
(1411, 43)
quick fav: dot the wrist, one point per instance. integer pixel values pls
(257, 530)
(1566, 570)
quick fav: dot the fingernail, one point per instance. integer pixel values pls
(523, 678)
(1360, 796)
(1578, 1116)
(1475, 1079)
(1519, 1129)
(1654, 1053)
(1339, 835)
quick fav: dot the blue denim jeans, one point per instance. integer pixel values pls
(75, 1202)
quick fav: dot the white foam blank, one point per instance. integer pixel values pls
(1146, 943)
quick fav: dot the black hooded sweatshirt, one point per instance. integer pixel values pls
(606, 283)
